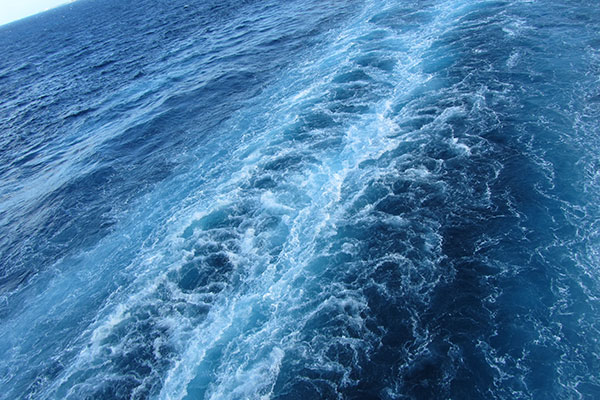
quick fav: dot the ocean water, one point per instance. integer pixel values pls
(306, 199)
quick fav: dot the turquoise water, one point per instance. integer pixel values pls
(301, 200)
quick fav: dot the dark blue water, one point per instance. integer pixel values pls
(301, 200)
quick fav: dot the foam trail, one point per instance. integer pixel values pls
(368, 202)
(261, 230)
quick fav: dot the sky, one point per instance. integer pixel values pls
(12, 10)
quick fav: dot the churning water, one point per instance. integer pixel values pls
(301, 200)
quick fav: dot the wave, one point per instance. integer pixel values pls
(391, 215)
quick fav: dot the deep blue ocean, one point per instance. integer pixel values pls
(302, 199)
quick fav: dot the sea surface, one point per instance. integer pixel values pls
(301, 199)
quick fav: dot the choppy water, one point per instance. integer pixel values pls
(301, 200)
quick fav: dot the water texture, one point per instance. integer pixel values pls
(307, 199)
